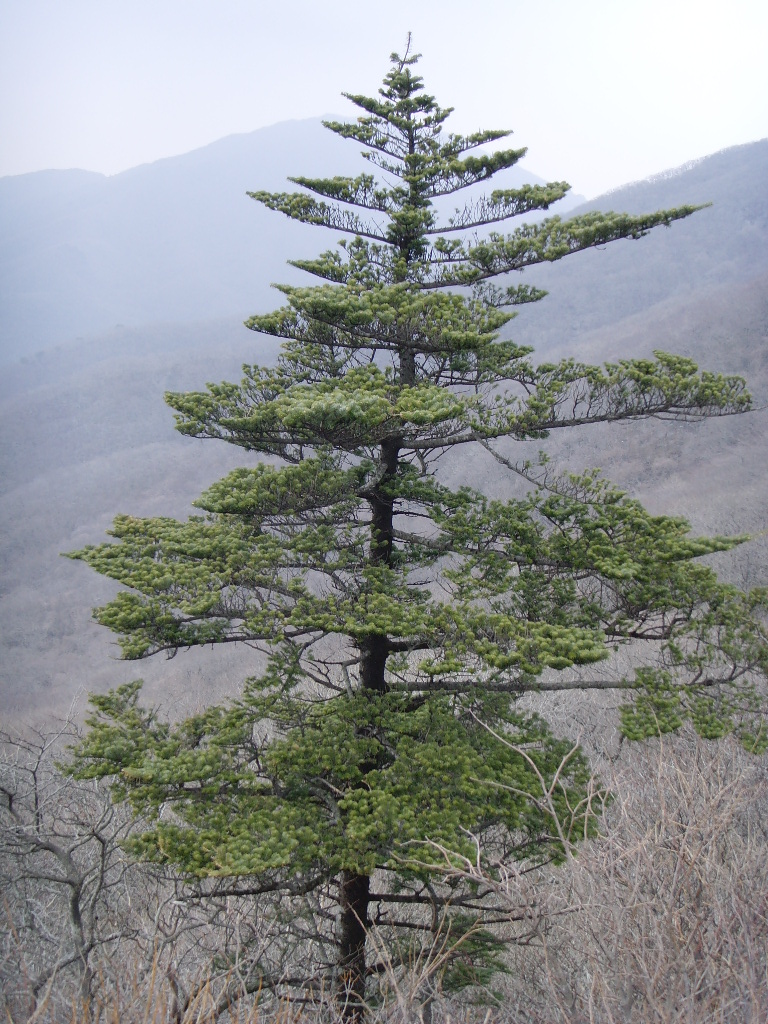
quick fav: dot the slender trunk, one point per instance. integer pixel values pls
(382, 506)
(374, 650)
(373, 661)
(353, 931)
(78, 939)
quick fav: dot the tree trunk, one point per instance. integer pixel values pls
(354, 889)
(353, 931)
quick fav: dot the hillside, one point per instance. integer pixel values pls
(87, 435)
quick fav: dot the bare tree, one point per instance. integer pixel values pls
(85, 926)
(664, 917)
(65, 880)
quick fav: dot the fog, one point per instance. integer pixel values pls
(601, 92)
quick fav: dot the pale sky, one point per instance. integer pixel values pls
(602, 92)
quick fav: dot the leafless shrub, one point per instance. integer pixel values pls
(82, 925)
(67, 887)
(673, 907)
(664, 918)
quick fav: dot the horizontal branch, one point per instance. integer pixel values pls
(539, 686)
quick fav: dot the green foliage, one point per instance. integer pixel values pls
(402, 620)
(477, 955)
(278, 783)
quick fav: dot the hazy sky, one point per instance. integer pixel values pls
(601, 91)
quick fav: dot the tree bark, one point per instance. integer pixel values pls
(354, 895)
(353, 931)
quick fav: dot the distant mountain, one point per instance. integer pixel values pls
(173, 241)
(86, 434)
(176, 240)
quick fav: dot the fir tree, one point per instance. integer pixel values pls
(401, 620)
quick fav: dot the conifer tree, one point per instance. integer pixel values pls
(399, 620)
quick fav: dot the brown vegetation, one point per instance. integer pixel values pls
(663, 918)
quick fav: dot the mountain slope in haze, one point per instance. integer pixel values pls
(174, 241)
(86, 433)
(723, 243)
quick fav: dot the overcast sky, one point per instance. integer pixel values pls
(601, 91)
